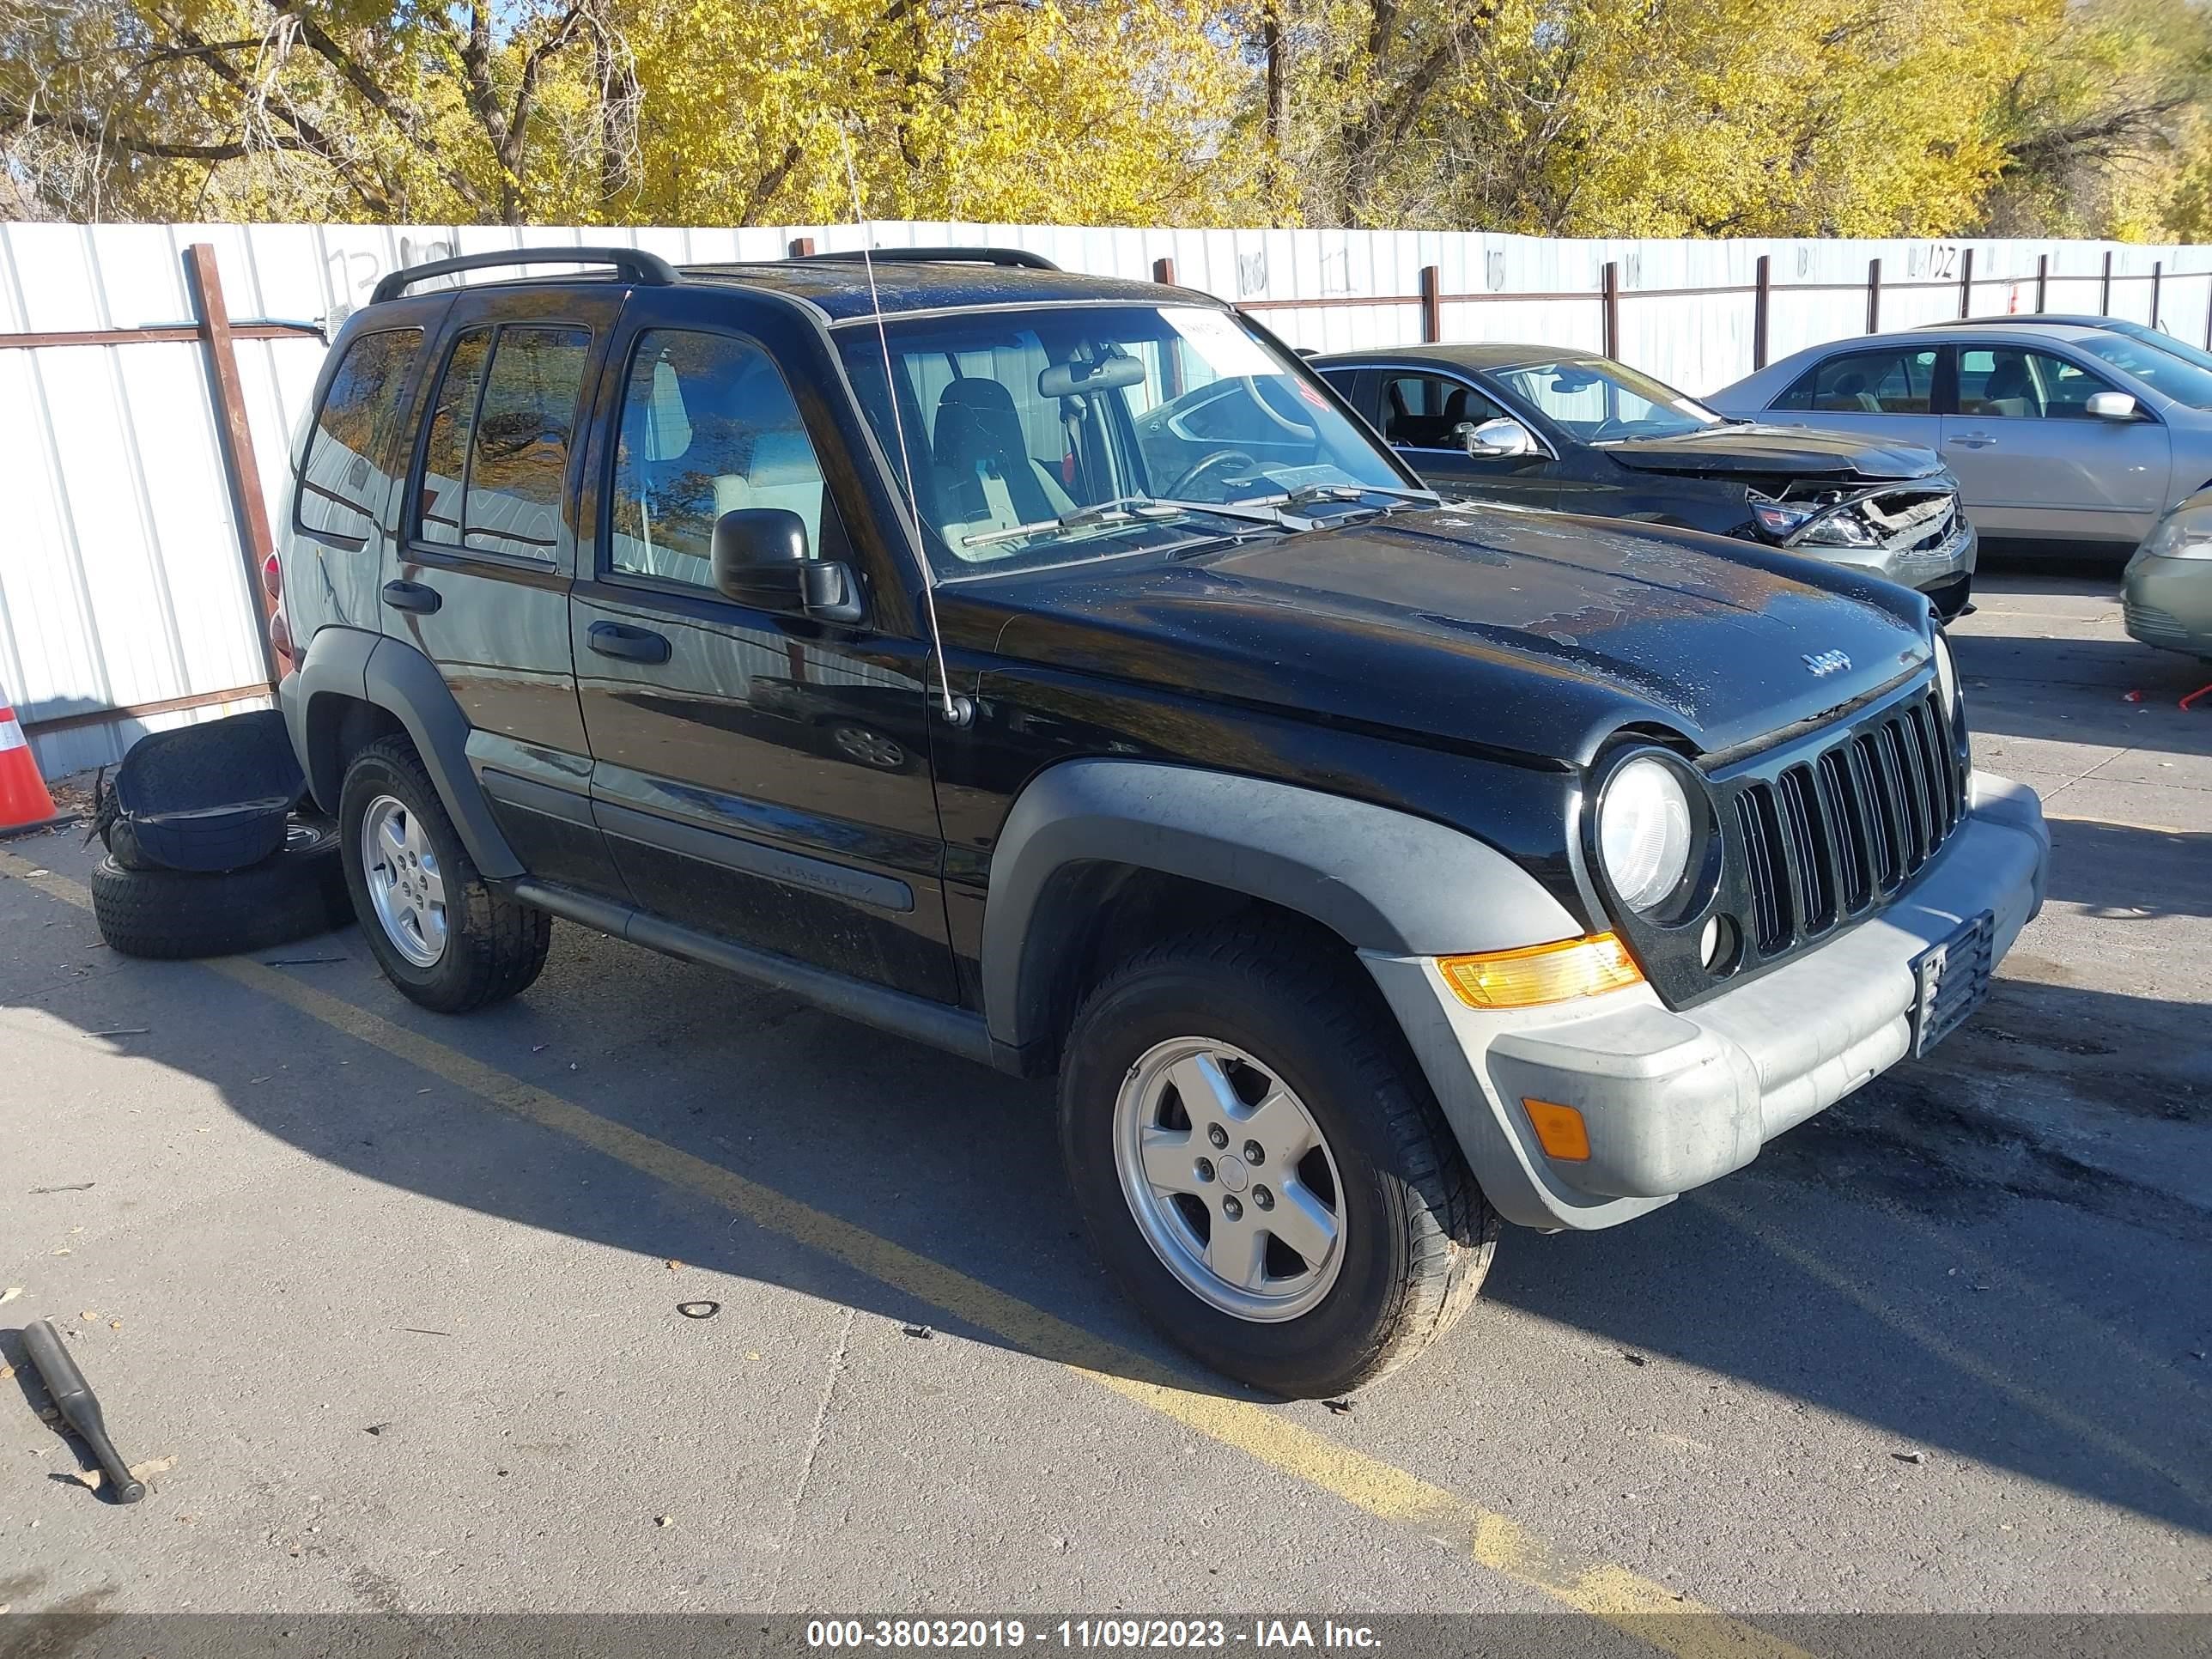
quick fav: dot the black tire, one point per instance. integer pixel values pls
(174, 914)
(495, 945)
(1419, 1234)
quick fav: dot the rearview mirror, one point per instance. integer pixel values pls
(1069, 378)
(761, 558)
(1495, 440)
(2112, 405)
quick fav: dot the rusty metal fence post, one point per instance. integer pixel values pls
(1965, 284)
(2042, 282)
(801, 246)
(233, 436)
(2104, 288)
(1164, 272)
(1609, 297)
(1873, 297)
(2157, 275)
(1432, 305)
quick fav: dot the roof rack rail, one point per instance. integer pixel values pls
(947, 256)
(648, 269)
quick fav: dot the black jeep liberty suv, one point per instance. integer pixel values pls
(935, 640)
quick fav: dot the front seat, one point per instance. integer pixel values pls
(987, 479)
(2008, 391)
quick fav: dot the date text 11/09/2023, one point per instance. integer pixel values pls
(1110, 1634)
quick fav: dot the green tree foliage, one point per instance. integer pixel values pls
(1564, 117)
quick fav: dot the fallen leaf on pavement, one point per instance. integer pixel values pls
(11, 1294)
(151, 1467)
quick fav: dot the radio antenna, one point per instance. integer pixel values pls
(955, 713)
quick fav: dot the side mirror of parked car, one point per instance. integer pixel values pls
(1495, 439)
(761, 558)
(2119, 406)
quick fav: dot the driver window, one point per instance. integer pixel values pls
(707, 427)
(2012, 385)
(1420, 411)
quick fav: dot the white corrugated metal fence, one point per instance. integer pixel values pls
(121, 583)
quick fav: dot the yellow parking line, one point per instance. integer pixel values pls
(2113, 824)
(1638, 1605)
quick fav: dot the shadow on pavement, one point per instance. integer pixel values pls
(960, 1165)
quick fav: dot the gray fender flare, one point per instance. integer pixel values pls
(394, 675)
(1382, 880)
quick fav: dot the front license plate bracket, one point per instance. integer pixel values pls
(1950, 979)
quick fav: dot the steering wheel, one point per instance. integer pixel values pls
(1204, 465)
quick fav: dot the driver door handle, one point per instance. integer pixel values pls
(612, 639)
(1974, 440)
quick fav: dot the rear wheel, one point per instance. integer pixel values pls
(440, 932)
(1262, 1166)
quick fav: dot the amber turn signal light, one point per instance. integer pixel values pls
(1557, 972)
(1559, 1130)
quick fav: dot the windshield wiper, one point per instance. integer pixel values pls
(1313, 494)
(1141, 509)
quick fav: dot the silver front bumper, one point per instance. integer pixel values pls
(1938, 567)
(1672, 1100)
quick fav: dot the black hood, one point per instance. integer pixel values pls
(1801, 452)
(1537, 633)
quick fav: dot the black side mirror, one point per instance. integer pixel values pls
(759, 558)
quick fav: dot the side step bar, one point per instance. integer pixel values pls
(957, 1030)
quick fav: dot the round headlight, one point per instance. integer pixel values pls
(1644, 832)
(1947, 676)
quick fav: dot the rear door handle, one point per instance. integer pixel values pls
(1974, 440)
(411, 596)
(611, 639)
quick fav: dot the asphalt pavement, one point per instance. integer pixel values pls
(389, 1303)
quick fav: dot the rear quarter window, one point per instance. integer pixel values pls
(344, 477)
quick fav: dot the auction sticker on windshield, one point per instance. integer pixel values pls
(1224, 348)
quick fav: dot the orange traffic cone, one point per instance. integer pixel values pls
(24, 802)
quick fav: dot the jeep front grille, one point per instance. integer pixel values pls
(1826, 836)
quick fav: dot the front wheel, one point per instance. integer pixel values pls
(440, 932)
(1262, 1165)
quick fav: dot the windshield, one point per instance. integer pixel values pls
(1043, 435)
(1602, 402)
(2155, 367)
(2161, 339)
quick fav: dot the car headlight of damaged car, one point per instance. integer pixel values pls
(1782, 519)
(1644, 832)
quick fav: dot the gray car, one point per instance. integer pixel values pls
(2062, 436)
(2167, 590)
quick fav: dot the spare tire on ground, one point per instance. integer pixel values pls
(299, 890)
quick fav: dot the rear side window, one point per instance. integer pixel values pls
(1893, 381)
(342, 483)
(495, 461)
